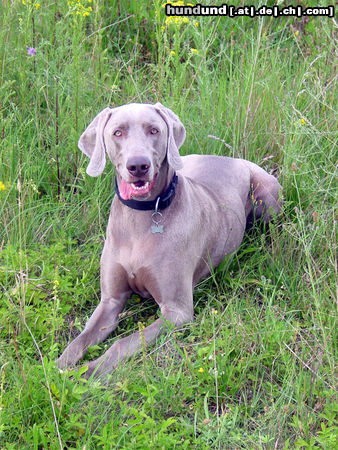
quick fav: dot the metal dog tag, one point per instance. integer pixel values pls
(157, 229)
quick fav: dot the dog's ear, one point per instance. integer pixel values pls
(91, 143)
(176, 135)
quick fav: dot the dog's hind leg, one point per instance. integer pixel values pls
(264, 199)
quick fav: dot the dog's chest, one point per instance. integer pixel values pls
(136, 261)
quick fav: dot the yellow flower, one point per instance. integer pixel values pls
(214, 311)
(79, 7)
(297, 33)
(37, 5)
(201, 370)
(196, 24)
(137, 299)
(178, 3)
(302, 121)
(2, 186)
(194, 50)
(172, 52)
(176, 20)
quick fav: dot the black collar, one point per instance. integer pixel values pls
(165, 198)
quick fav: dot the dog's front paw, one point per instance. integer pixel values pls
(94, 368)
(90, 370)
(62, 362)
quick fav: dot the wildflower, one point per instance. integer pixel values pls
(137, 299)
(79, 8)
(55, 288)
(214, 311)
(194, 50)
(302, 121)
(2, 186)
(31, 51)
(172, 52)
(176, 20)
(30, 184)
(297, 33)
(30, 3)
(196, 24)
(178, 3)
(201, 370)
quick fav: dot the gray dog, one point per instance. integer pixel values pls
(166, 230)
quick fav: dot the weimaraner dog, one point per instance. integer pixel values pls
(166, 230)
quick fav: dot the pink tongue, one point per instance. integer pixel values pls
(125, 190)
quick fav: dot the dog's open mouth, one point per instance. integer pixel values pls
(137, 189)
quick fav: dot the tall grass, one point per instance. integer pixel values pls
(257, 367)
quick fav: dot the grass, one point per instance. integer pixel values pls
(256, 369)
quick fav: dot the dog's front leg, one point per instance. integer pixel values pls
(115, 291)
(177, 312)
(102, 322)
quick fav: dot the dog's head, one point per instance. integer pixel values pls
(140, 139)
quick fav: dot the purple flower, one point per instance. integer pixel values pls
(31, 51)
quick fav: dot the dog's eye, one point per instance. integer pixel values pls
(154, 131)
(118, 133)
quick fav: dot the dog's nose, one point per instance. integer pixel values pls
(138, 166)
